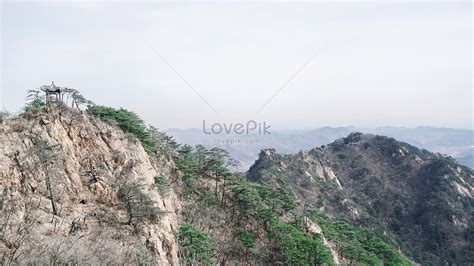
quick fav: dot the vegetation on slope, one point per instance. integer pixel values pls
(265, 223)
(252, 225)
(128, 121)
(298, 247)
(196, 247)
(358, 244)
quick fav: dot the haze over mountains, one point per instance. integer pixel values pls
(457, 143)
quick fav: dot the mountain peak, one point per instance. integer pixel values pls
(366, 177)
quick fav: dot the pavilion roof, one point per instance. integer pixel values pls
(51, 88)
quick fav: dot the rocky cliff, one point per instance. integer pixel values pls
(68, 183)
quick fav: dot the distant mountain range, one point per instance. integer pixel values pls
(457, 143)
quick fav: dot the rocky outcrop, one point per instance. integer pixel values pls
(61, 176)
(315, 229)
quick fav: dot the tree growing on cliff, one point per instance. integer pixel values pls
(186, 163)
(138, 205)
(34, 100)
(47, 157)
(196, 247)
(217, 165)
(76, 99)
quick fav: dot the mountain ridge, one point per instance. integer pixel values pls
(458, 143)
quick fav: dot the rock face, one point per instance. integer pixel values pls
(424, 199)
(67, 182)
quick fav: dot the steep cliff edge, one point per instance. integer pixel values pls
(77, 190)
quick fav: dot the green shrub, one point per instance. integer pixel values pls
(162, 184)
(293, 246)
(34, 105)
(207, 199)
(253, 199)
(247, 239)
(128, 121)
(195, 246)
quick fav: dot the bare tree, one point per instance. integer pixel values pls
(15, 233)
(47, 156)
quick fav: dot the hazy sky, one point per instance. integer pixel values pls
(405, 64)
